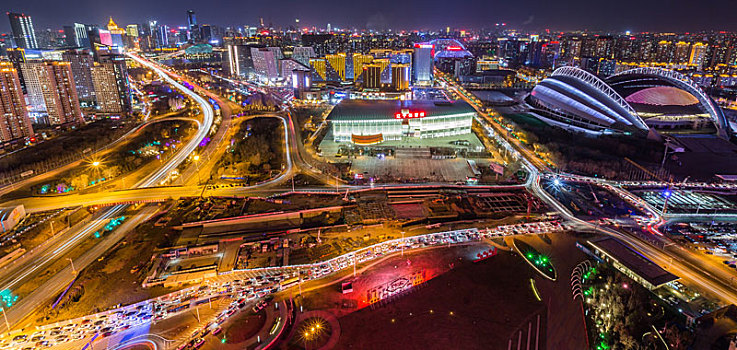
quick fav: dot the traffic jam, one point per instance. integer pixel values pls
(242, 287)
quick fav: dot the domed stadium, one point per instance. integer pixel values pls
(574, 99)
(668, 100)
(630, 103)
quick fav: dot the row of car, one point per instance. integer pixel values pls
(242, 290)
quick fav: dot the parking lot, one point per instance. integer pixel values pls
(412, 169)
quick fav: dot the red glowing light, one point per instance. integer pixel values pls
(454, 48)
(409, 114)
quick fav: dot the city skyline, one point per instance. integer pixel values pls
(530, 175)
(631, 15)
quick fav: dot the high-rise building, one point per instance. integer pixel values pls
(81, 63)
(131, 30)
(337, 61)
(17, 57)
(301, 82)
(265, 62)
(320, 67)
(303, 54)
(682, 52)
(372, 76)
(106, 89)
(288, 66)
(117, 64)
(194, 30)
(698, 55)
(21, 26)
(422, 64)
(237, 60)
(400, 77)
(116, 33)
(14, 121)
(360, 60)
(162, 36)
(55, 83)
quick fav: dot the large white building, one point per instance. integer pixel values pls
(374, 121)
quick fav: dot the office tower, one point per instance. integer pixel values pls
(76, 35)
(14, 121)
(422, 64)
(265, 62)
(194, 30)
(116, 33)
(289, 65)
(206, 33)
(106, 89)
(132, 36)
(132, 30)
(238, 61)
(162, 36)
(301, 82)
(337, 61)
(22, 28)
(81, 63)
(372, 76)
(400, 77)
(303, 54)
(54, 82)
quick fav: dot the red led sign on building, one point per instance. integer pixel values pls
(407, 114)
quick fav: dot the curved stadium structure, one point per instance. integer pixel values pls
(577, 100)
(574, 99)
(645, 80)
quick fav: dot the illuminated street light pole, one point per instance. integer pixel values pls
(197, 165)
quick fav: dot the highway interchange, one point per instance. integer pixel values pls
(676, 259)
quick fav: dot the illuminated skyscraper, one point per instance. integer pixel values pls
(81, 63)
(400, 77)
(23, 33)
(194, 30)
(265, 62)
(360, 60)
(698, 55)
(422, 64)
(682, 52)
(106, 90)
(14, 121)
(372, 76)
(237, 60)
(76, 35)
(337, 61)
(116, 62)
(55, 83)
(17, 57)
(116, 33)
(303, 54)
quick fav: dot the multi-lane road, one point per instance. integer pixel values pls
(38, 260)
(678, 260)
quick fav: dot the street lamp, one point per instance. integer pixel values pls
(197, 165)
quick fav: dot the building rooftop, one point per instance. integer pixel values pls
(387, 109)
(634, 261)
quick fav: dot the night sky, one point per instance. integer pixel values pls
(616, 15)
